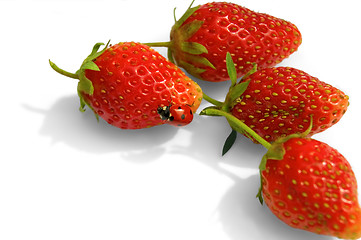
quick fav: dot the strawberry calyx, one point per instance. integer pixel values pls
(189, 54)
(236, 90)
(276, 151)
(85, 86)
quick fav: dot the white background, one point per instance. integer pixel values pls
(65, 176)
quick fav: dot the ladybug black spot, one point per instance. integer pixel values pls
(164, 112)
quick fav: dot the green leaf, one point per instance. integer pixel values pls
(231, 69)
(250, 72)
(191, 68)
(208, 111)
(259, 194)
(83, 103)
(94, 53)
(229, 142)
(85, 85)
(96, 48)
(193, 48)
(237, 91)
(90, 65)
(170, 55)
(198, 60)
(191, 28)
(262, 165)
(187, 14)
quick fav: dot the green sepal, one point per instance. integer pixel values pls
(189, 29)
(277, 151)
(199, 60)
(231, 69)
(250, 72)
(229, 142)
(193, 48)
(193, 70)
(91, 66)
(187, 14)
(85, 85)
(259, 194)
(237, 91)
(170, 55)
(208, 111)
(83, 103)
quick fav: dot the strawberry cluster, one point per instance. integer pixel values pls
(304, 182)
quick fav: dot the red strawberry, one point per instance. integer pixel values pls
(126, 83)
(306, 183)
(310, 185)
(201, 38)
(279, 102)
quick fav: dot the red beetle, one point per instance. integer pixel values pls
(177, 115)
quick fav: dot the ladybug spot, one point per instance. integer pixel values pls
(183, 116)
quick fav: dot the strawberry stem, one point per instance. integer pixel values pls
(63, 72)
(158, 44)
(237, 124)
(211, 100)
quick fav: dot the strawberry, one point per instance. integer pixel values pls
(309, 185)
(200, 39)
(306, 183)
(126, 83)
(276, 102)
(279, 102)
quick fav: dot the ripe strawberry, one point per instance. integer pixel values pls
(279, 102)
(126, 83)
(201, 38)
(310, 185)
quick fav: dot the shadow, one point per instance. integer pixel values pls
(238, 211)
(216, 90)
(240, 214)
(63, 123)
(207, 136)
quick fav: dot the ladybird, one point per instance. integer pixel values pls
(176, 115)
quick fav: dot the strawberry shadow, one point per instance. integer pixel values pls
(63, 123)
(239, 212)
